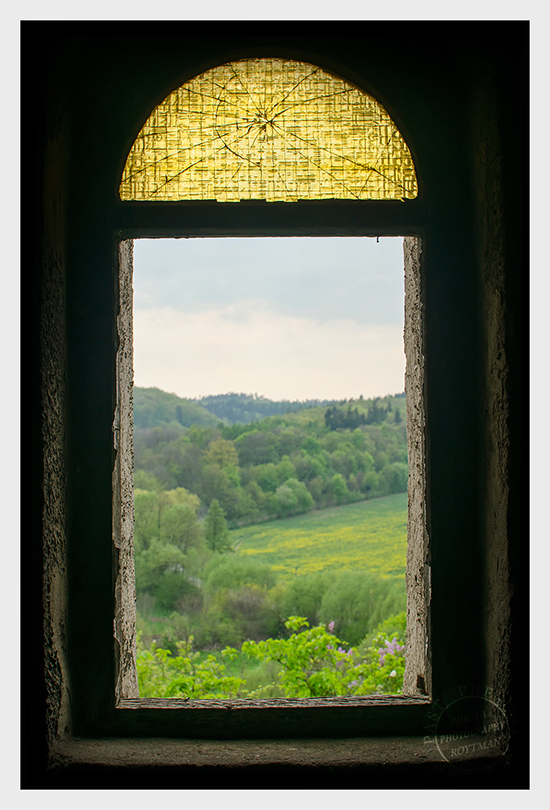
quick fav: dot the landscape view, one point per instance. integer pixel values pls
(270, 537)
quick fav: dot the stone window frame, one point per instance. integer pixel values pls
(379, 712)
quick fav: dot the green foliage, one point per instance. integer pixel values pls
(185, 675)
(201, 436)
(258, 447)
(146, 481)
(339, 488)
(215, 528)
(315, 664)
(303, 596)
(194, 480)
(285, 469)
(171, 590)
(146, 518)
(334, 464)
(180, 527)
(216, 484)
(244, 408)
(395, 625)
(222, 451)
(358, 601)
(265, 475)
(169, 544)
(153, 407)
(376, 413)
(154, 561)
(292, 497)
(310, 662)
(396, 477)
(234, 571)
(344, 418)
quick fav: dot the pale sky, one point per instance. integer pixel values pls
(285, 318)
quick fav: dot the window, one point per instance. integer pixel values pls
(274, 130)
(292, 319)
(268, 129)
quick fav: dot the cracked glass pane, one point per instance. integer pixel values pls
(268, 129)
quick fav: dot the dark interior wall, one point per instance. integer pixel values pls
(448, 87)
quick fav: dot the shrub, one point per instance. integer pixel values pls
(395, 477)
(303, 596)
(232, 571)
(358, 601)
(311, 662)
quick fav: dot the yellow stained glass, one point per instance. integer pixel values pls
(268, 129)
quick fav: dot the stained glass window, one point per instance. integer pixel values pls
(268, 129)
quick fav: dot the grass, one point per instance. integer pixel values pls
(371, 535)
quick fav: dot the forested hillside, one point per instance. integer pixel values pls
(153, 407)
(245, 408)
(203, 586)
(280, 465)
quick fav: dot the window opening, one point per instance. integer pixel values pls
(232, 134)
(268, 129)
(250, 510)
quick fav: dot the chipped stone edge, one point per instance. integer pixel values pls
(123, 486)
(417, 679)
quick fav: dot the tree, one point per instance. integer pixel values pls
(304, 595)
(146, 506)
(285, 469)
(304, 500)
(358, 600)
(222, 452)
(339, 487)
(215, 528)
(236, 570)
(286, 499)
(396, 476)
(266, 476)
(180, 527)
(216, 485)
(348, 419)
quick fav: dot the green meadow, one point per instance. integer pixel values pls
(370, 536)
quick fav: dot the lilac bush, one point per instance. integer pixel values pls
(313, 663)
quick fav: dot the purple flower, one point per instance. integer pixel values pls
(392, 648)
(331, 627)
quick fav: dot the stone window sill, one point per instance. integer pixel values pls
(385, 762)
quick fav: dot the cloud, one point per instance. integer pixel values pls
(354, 278)
(247, 347)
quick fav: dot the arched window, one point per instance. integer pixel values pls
(268, 129)
(279, 131)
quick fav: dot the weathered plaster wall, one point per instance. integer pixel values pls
(496, 492)
(53, 359)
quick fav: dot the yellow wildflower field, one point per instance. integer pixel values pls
(370, 536)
